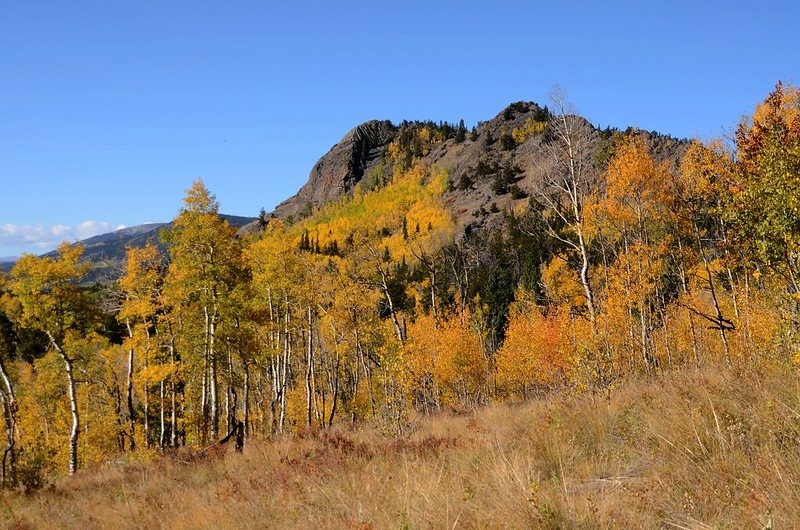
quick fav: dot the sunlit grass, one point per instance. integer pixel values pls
(685, 450)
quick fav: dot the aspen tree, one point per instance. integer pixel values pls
(205, 264)
(139, 285)
(569, 180)
(52, 301)
(763, 199)
(7, 393)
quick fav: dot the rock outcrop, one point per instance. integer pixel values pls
(338, 171)
(492, 170)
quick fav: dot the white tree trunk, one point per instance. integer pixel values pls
(73, 405)
(129, 392)
(309, 369)
(10, 419)
(212, 363)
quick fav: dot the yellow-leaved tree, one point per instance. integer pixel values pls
(537, 354)
(52, 301)
(140, 287)
(205, 266)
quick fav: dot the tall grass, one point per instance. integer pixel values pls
(685, 450)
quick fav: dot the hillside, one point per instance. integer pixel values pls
(492, 169)
(707, 449)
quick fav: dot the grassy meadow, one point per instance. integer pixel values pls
(708, 449)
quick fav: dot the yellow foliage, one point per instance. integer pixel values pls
(446, 362)
(412, 197)
(561, 285)
(636, 191)
(536, 354)
(789, 106)
(47, 288)
(43, 408)
(139, 282)
(634, 275)
(703, 168)
(199, 199)
(530, 128)
(155, 373)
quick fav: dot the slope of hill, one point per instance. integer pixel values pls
(491, 170)
(111, 246)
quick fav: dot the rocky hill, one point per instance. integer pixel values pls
(492, 168)
(359, 152)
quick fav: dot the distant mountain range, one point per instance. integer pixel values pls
(106, 252)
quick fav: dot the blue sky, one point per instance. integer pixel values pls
(109, 110)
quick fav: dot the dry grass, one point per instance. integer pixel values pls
(687, 450)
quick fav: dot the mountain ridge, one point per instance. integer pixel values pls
(492, 167)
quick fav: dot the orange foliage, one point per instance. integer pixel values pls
(446, 362)
(536, 354)
(636, 191)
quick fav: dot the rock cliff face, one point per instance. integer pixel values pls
(342, 167)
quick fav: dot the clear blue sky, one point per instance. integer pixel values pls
(109, 110)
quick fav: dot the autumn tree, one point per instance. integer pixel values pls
(7, 392)
(447, 363)
(632, 217)
(205, 266)
(568, 184)
(352, 328)
(52, 301)
(695, 199)
(537, 355)
(276, 269)
(763, 198)
(140, 287)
